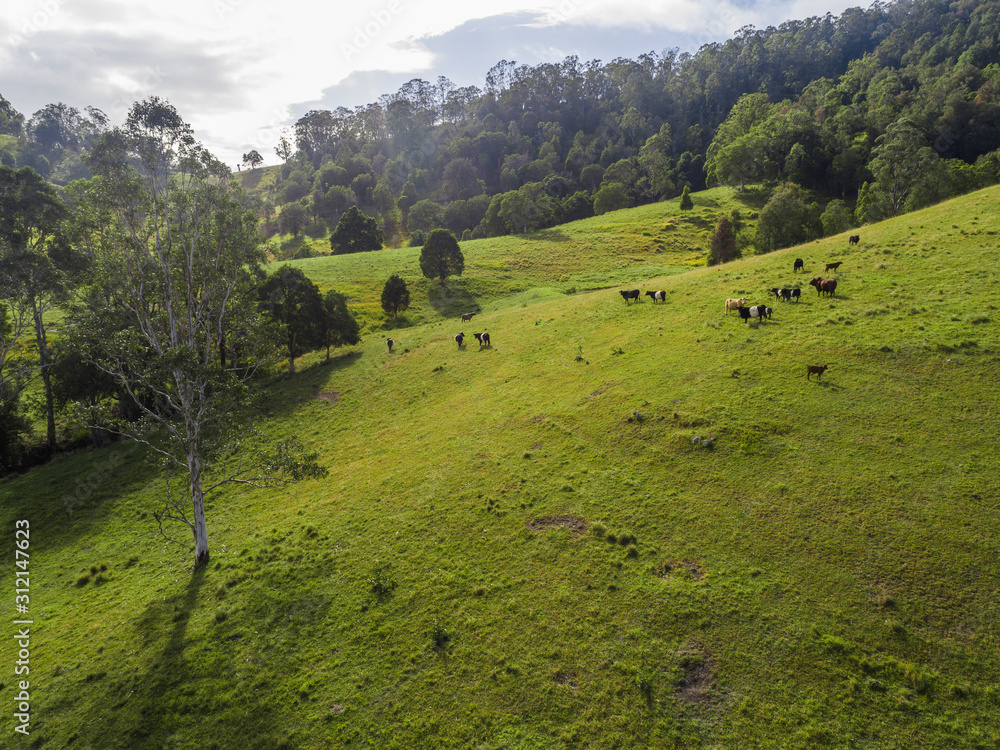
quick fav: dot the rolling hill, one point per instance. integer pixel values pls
(633, 526)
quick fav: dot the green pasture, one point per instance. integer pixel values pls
(621, 526)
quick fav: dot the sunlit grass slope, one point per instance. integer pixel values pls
(531, 546)
(616, 248)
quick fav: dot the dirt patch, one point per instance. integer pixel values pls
(575, 524)
(698, 672)
(331, 396)
(566, 679)
(688, 566)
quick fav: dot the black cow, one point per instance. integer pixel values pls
(661, 296)
(760, 311)
(389, 343)
(854, 239)
(459, 338)
(630, 294)
(483, 339)
(798, 264)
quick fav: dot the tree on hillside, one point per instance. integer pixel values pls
(787, 219)
(723, 245)
(901, 161)
(36, 265)
(252, 159)
(441, 256)
(611, 197)
(294, 302)
(686, 203)
(395, 296)
(356, 233)
(337, 325)
(737, 152)
(175, 256)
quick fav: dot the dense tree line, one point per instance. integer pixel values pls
(818, 102)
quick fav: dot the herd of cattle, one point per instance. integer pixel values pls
(763, 312)
(746, 312)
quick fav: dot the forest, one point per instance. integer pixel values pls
(900, 92)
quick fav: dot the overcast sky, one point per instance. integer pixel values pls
(241, 70)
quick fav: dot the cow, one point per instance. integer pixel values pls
(824, 285)
(483, 339)
(760, 311)
(735, 304)
(833, 266)
(854, 239)
(661, 296)
(798, 264)
(459, 338)
(629, 294)
(792, 294)
(467, 317)
(778, 293)
(389, 343)
(816, 370)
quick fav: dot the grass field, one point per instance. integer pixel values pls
(631, 526)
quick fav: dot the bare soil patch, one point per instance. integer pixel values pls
(699, 672)
(576, 525)
(331, 396)
(688, 566)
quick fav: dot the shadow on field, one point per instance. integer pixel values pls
(754, 197)
(452, 300)
(549, 235)
(183, 683)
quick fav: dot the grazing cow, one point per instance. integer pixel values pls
(792, 294)
(778, 293)
(744, 313)
(854, 239)
(798, 264)
(630, 294)
(735, 304)
(467, 317)
(459, 339)
(816, 370)
(824, 285)
(662, 296)
(389, 343)
(833, 266)
(760, 311)
(483, 339)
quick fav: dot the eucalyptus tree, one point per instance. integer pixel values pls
(36, 266)
(176, 259)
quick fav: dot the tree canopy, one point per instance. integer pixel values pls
(441, 256)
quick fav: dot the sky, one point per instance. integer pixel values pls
(241, 71)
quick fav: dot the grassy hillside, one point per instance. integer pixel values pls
(621, 247)
(526, 546)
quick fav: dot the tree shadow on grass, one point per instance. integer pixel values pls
(754, 196)
(453, 299)
(187, 680)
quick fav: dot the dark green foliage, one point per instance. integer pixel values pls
(723, 246)
(337, 325)
(356, 233)
(611, 197)
(395, 295)
(686, 203)
(294, 302)
(787, 219)
(441, 256)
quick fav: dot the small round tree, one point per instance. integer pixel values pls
(441, 256)
(356, 233)
(686, 203)
(395, 296)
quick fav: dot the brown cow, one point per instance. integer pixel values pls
(833, 266)
(816, 370)
(854, 239)
(467, 316)
(824, 285)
